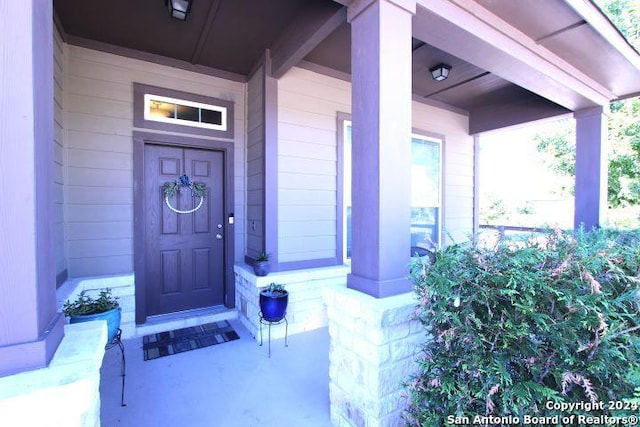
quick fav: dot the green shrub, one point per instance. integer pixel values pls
(85, 304)
(516, 326)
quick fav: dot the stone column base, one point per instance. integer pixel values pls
(374, 345)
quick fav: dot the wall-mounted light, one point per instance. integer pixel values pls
(178, 8)
(440, 72)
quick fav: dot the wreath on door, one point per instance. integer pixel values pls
(171, 188)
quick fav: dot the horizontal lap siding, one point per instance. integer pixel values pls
(59, 153)
(98, 95)
(307, 164)
(458, 168)
(308, 104)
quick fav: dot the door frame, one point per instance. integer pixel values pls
(140, 139)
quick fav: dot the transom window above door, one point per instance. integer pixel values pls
(182, 112)
(163, 109)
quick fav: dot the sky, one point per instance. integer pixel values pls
(511, 169)
(510, 166)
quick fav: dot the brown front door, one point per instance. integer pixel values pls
(184, 255)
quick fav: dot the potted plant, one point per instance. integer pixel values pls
(86, 308)
(261, 266)
(273, 302)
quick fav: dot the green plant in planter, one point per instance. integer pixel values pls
(261, 266)
(263, 257)
(86, 308)
(274, 300)
(85, 304)
(516, 326)
(274, 289)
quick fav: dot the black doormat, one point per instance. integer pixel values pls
(185, 339)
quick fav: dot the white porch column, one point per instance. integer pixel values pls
(591, 167)
(381, 176)
(30, 328)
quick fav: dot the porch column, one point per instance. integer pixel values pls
(30, 328)
(381, 176)
(591, 167)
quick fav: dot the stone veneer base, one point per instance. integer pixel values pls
(374, 345)
(123, 287)
(65, 393)
(306, 310)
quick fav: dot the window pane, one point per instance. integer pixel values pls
(425, 193)
(210, 116)
(347, 188)
(182, 112)
(190, 114)
(425, 229)
(162, 109)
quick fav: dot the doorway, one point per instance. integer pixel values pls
(182, 253)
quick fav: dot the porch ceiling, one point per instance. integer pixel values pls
(550, 56)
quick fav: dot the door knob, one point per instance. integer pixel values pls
(219, 236)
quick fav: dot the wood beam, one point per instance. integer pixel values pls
(154, 58)
(304, 35)
(527, 109)
(594, 16)
(474, 34)
(206, 29)
(30, 326)
(381, 59)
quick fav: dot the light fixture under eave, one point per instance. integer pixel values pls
(440, 72)
(179, 8)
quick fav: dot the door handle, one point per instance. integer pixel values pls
(219, 236)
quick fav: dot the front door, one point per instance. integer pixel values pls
(184, 255)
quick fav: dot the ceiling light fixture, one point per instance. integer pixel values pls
(440, 72)
(178, 8)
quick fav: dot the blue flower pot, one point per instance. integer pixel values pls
(273, 307)
(112, 317)
(261, 268)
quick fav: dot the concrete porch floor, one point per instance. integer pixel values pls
(234, 384)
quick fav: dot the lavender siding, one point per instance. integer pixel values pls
(98, 167)
(308, 104)
(98, 96)
(307, 107)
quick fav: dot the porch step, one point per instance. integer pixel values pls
(184, 319)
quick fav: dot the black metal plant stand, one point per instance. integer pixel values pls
(264, 321)
(117, 341)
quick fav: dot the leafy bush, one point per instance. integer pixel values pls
(86, 304)
(518, 325)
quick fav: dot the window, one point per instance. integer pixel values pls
(346, 186)
(181, 112)
(426, 190)
(169, 110)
